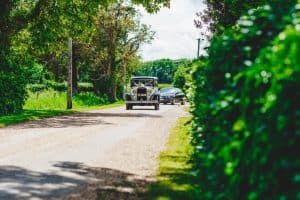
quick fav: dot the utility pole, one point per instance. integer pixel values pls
(124, 88)
(198, 51)
(70, 74)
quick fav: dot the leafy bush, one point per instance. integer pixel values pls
(12, 87)
(85, 87)
(246, 108)
(35, 73)
(57, 86)
(183, 76)
(55, 100)
(90, 99)
(61, 87)
(36, 87)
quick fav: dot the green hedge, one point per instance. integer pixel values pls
(12, 85)
(246, 108)
(61, 87)
(12, 91)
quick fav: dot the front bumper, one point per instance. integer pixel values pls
(142, 103)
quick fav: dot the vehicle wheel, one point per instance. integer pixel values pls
(182, 102)
(173, 101)
(165, 103)
(156, 106)
(128, 107)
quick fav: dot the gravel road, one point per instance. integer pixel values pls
(105, 154)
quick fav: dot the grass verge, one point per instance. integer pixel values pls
(164, 85)
(53, 103)
(175, 179)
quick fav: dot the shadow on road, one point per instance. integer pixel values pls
(72, 181)
(80, 120)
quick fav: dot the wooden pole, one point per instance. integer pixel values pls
(124, 89)
(70, 74)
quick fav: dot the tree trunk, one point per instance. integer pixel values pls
(74, 70)
(113, 92)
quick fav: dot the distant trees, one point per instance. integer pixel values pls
(164, 69)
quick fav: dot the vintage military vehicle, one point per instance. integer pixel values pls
(143, 92)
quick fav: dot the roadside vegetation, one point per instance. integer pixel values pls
(51, 103)
(244, 91)
(163, 69)
(175, 178)
(244, 102)
(34, 36)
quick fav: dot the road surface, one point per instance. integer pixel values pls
(105, 154)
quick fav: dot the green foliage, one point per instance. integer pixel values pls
(164, 85)
(56, 100)
(222, 14)
(35, 73)
(36, 87)
(46, 100)
(116, 40)
(26, 115)
(246, 108)
(164, 69)
(12, 88)
(183, 76)
(62, 87)
(90, 99)
(85, 87)
(38, 30)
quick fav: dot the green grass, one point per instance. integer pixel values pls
(175, 179)
(164, 85)
(52, 103)
(27, 115)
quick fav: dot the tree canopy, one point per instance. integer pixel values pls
(36, 31)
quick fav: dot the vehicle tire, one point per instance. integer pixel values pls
(173, 101)
(128, 107)
(156, 106)
(165, 103)
(182, 102)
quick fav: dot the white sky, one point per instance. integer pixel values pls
(175, 31)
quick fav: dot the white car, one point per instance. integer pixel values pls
(144, 92)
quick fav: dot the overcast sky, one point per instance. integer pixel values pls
(175, 31)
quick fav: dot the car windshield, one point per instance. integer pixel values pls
(142, 82)
(168, 90)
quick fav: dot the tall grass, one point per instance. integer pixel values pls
(54, 100)
(46, 100)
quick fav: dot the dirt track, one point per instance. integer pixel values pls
(106, 154)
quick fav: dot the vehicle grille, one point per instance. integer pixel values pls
(142, 94)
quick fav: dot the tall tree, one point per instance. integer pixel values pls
(50, 19)
(219, 15)
(116, 41)
(14, 16)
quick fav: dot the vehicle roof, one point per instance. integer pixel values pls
(144, 77)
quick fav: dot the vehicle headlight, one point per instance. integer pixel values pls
(133, 91)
